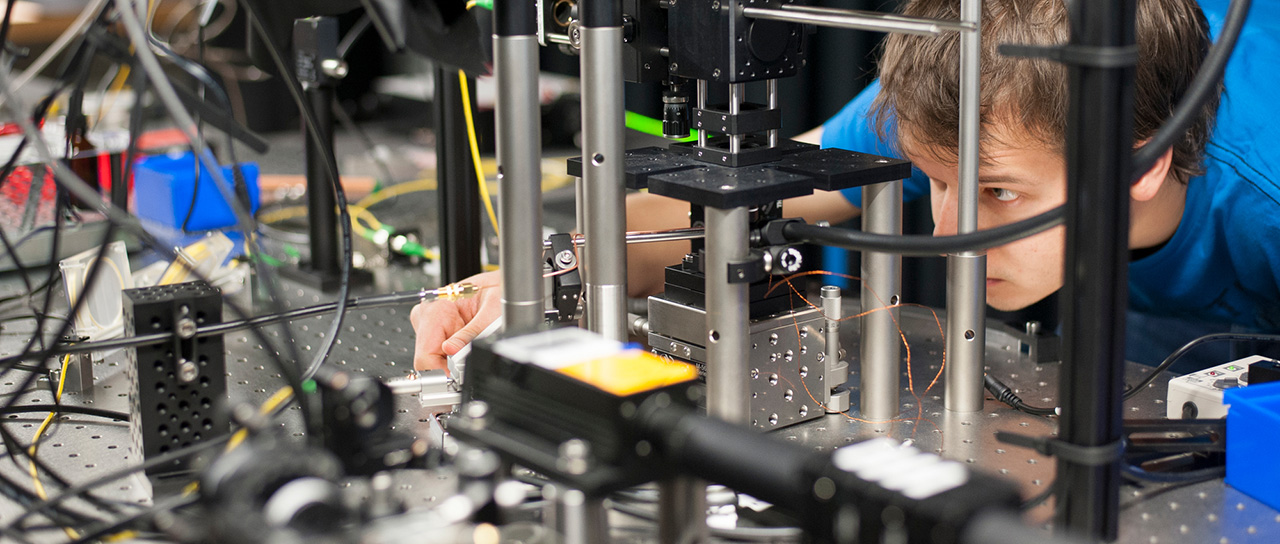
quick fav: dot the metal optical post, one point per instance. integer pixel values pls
(319, 68)
(604, 190)
(458, 196)
(728, 382)
(881, 284)
(967, 272)
(519, 149)
(1099, 148)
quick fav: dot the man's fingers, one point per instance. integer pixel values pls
(432, 322)
(467, 334)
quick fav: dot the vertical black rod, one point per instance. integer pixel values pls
(458, 195)
(1099, 149)
(322, 205)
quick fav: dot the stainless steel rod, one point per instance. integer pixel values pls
(881, 285)
(701, 98)
(604, 189)
(856, 20)
(682, 510)
(967, 272)
(736, 94)
(728, 382)
(771, 89)
(519, 152)
(674, 235)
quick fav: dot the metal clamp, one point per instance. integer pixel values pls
(749, 270)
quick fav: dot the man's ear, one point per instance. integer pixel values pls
(1150, 183)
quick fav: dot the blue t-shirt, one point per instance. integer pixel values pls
(1222, 265)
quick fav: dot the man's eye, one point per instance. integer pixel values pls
(1004, 195)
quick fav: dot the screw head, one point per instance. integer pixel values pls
(575, 35)
(186, 328)
(187, 371)
(566, 259)
(476, 409)
(334, 68)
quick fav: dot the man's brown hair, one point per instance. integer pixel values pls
(1024, 101)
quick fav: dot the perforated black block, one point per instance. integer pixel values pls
(177, 385)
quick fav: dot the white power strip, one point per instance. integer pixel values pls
(1203, 389)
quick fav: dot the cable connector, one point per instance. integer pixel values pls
(1005, 394)
(452, 291)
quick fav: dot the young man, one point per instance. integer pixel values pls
(1205, 218)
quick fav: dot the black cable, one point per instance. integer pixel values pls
(357, 30)
(54, 475)
(331, 167)
(43, 507)
(923, 245)
(27, 499)
(1137, 474)
(371, 148)
(1201, 89)
(1005, 394)
(246, 221)
(195, 186)
(64, 409)
(1206, 339)
(119, 217)
(761, 534)
(41, 110)
(1039, 498)
(137, 123)
(17, 263)
(8, 19)
(171, 503)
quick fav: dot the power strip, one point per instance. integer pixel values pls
(1200, 393)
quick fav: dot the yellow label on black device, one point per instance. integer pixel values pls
(630, 372)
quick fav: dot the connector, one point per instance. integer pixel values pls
(1005, 394)
(452, 291)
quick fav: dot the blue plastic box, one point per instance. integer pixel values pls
(163, 187)
(1253, 441)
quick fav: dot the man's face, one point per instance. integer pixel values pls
(1014, 184)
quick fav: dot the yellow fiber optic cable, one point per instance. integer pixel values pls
(31, 451)
(475, 150)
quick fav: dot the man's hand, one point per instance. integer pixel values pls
(444, 326)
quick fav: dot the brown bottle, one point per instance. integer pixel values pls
(82, 156)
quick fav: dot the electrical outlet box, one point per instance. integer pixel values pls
(1199, 394)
